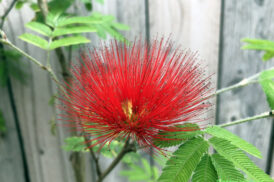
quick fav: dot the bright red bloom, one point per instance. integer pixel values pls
(135, 91)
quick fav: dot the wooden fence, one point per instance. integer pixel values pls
(214, 28)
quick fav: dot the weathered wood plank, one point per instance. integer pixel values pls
(192, 24)
(44, 154)
(245, 19)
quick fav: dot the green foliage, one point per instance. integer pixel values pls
(73, 30)
(184, 160)
(267, 83)
(100, 1)
(205, 171)
(52, 123)
(90, 20)
(19, 4)
(67, 41)
(262, 45)
(75, 144)
(35, 40)
(137, 173)
(39, 27)
(11, 66)
(3, 128)
(225, 169)
(88, 4)
(34, 7)
(239, 159)
(235, 140)
(110, 27)
(57, 6)
(109, 150)
(189, 131)
(58, 24)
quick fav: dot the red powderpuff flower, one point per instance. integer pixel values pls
(134, 91)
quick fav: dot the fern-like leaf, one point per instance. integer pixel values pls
(205, 171)
(239, 159)
(234, 139)
(184, 160)
(225, 169)
(189, 131)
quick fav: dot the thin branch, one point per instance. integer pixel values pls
(259, 116)
(43, 6)
(6, 13)
(5, 41)
(96, 160)
(126, 149)
(246, 81)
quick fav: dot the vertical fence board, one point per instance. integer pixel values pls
(242, 19)
(46, 160)
(10, 155)
(43, 149)
(193, 24)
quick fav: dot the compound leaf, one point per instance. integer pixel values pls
(184, 160)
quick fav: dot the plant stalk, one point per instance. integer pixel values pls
(242, 83)
(259, 116)
(126, 149)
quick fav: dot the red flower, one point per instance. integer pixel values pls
(135, 91)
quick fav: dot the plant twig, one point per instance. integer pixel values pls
(43, 6)
(126, 149)
(96, 160)
(6, 13)
(4, 40)
(242, 83)
(259, 116)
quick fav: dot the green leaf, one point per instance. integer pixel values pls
(131, 157)
(75, 144)
(59, 6)
(19, 4)
(225, 169)
(35, 40)
(189, 131)
(72, 30)
(267, 84)
(34, 7)
(53, 19)
(3, 128)
(88, 4)
(39, 27)
(268, 55)
(114, 33)
(234, 139)
(80, 20)
(100, 1)
(101, 32)
(67, 41)
(120, 26)
(257, 44)
(239, 159)
(184, 160)
(137, 173)
(205, 171)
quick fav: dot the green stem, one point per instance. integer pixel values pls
(259, 116)
(4, 40)
(242, 83)
(126, 149)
